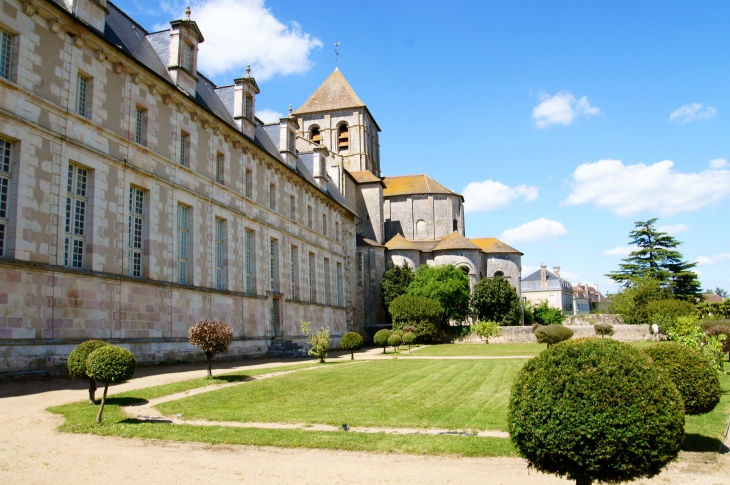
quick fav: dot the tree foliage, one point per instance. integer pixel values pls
(656, 257)
(395, 282)
(110, 364)
(686, 331)
(487, 329)
(421, 313)
(595, 410)
(77, 364)
(632, 303)
(552, 334)
(409, 338)
(319, 341)
(351, 341)
(381, 338)
(446, 284)
(212, 337)
(603, 329)
(543, 314)
(495, 299)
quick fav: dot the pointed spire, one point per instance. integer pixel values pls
(334, 93)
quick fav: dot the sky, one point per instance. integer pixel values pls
(561, 123)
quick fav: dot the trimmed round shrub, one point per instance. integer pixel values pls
(409, 338)
(595, 409)
(603, 329)
(351, 341)
(381, 338)
(111, 365)
(535, 326)
(212, 337)
(398, 332)
(417, 311)
(552, 334)
(691, 372)
(395, 341)
(77, 364)
(722, 330)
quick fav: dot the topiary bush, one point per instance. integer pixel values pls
(351, 341)
(395, 341)
(381, 338)
(212, 337)
(552, 334)
(603, 329)
(409, 338)
(691, 372)
(110, 364)
(416, 311)
(721, 330)
(595, 409)
(398, 333)
(77, 364)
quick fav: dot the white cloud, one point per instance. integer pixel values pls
(269, 115)
(538, 230)
(705, 261)
(619, 251)
(673, 229)
(568, 275)
(718, 163)
(490, 195)
(527, 270)
(241, 32)
(658, 188)
(562, 108)
(692, 112)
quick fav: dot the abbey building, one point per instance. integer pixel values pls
(137, 197)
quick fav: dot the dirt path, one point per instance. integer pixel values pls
(33, 452)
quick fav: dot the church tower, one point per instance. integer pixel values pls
(336, 118)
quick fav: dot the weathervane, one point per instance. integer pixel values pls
(337, 55)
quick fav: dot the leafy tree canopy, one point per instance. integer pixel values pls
(656, 257)
(495, 299)
(395, 282)
(446, 284)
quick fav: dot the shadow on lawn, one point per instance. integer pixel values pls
(698, 442)
(124, 401)
(233, 378)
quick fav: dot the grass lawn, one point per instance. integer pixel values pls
(469, 394)
(493, 350)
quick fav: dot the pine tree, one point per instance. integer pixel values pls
(657, 257)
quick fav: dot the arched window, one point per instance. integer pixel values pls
(465, 269)
(314, 135)
(499, 274)
(456, 225)
(343, 138)
(421, 229)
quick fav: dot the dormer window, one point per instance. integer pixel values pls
(343, 138)
(188, 56)
(314, 135)
(249, 106)
(292, 140)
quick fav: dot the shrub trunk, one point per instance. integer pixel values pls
(583, 481)
(103, 401)
(352, 354)
(209, 356)
(92, 392)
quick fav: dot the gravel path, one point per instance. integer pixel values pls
(33, 452)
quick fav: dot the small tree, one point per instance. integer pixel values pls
(212, 337)
(395, 282)
(487, 329)
(595, 410)
(603, 329)
(110, 365)
(381, 338)
(446, 284)
(495, 299)
(77, 364)
(409, 338)
(395, 341)
(552, 334)
(319, 343)
(545, 315)
(351, 341)
(424, 314)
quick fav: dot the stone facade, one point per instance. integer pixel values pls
(105, 154)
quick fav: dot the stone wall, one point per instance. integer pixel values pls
(624, 333)
(593, 319)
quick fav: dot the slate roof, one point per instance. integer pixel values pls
(493, 245)
(334, 93)
(414, 185)
(536, 276)
(149, 49)
(399, 242)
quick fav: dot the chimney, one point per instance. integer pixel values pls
(543, 276)
(556, 271)
(319, 165)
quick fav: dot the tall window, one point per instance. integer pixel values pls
(324, 224)
(249, 106)
(314, 135)
(250, 241)
(310, 217)
(76, 200)
(360, 269)
(292, 208)
(272, 197)
(136, 206)
(343, 138)
(184, 149)
(219, 164)
(249, 184)
(6, 149)
(326, 281)
(294, 272)
(6, 53)
(140, 126)
(83, 96)
(220, 254)
(340, 288)
(310, 276)
(183, 223)
(188, 56)
(292, 141)
(274, 264)
(337, 231)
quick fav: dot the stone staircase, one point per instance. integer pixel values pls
(285, 348)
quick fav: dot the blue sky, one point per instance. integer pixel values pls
(562, 115)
